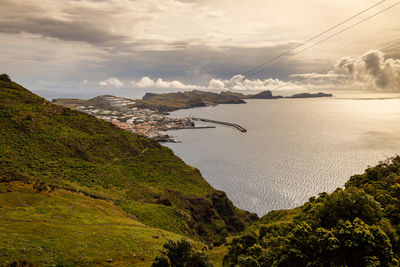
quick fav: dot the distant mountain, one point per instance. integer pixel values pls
(102, 101)
(308, 95)
(183, 100)
(262, 95)
(75, 189)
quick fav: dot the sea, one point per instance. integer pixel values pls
(293, 148)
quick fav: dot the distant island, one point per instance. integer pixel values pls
(183, 100)
(307, 95)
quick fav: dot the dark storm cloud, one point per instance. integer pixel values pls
(66, 20)
(69, 31)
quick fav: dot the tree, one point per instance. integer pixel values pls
(4, 78)
(181, 254)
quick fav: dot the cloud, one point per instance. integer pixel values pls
(112, 82)
(146, 82)
(115, 25)
(186, 42)
(85, 82)
(372, 71)
(216, 84)
(236, 83)
(240, 83)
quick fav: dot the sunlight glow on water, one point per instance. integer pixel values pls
(294, 148)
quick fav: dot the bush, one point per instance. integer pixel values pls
(5, 78)
(181, 254)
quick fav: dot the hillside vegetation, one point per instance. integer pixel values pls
(46, 149)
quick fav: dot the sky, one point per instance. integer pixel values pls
(84, 48)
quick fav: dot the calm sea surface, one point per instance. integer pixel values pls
(294, 148)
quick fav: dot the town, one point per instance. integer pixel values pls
(122, 113)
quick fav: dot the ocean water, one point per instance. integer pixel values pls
(294, 148)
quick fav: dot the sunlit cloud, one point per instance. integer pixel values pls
(112, 82)
(373, 71)
(146, 82)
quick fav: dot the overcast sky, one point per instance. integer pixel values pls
(83, 48)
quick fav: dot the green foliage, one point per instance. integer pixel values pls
(19, 263)
(4, 78)
(355, 226)
(181, 254)
(346, 205)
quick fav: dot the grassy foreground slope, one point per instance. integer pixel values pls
(54, 148)
(68, 229)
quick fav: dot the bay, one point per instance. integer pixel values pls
(293, 148)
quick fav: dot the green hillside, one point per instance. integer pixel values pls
(46, 149)
(67, 229)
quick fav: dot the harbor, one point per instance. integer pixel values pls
(237, 126)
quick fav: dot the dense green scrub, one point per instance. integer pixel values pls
(355, 226)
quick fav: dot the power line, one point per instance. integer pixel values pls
(329, 37)
(314, 37)
(341, 65)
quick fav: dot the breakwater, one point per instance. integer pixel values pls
(237, 126)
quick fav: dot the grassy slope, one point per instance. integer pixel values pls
(61, 227)
(55, 148)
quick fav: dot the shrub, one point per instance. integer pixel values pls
(5, 78)
(181, 254)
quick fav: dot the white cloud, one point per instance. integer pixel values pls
(371, 71)
(112, 82)
(216, 85)
(240, 83)
(146, 82)
(160, 83)
(236, 83)
(85, 82)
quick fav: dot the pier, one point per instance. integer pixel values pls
(237, 126)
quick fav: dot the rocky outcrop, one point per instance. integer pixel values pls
(262, 95)
(308, 95)
(148, 96)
